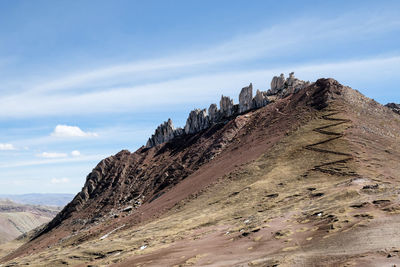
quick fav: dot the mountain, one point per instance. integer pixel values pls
(17, 219)
(59, 200)
(305, 174)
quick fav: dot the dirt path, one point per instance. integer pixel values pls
(335, 167)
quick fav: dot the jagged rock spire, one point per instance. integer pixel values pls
(245, 98)
(200, 119)
(197, 121)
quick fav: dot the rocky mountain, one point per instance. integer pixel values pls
(17, 219)
(304, 174)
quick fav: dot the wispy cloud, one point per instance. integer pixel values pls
(75, 153)
(71, 131)
(122, 88)
(49, 161)
(52, 155)
(7, 147)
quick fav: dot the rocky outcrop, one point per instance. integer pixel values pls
(260, 99)
(277, 84)
(213, 113)
(163, 133)
(198, 120)
(283, 88)
(246, 98)
(393, 106)
(226, 105)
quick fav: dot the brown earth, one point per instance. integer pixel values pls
(310, 180)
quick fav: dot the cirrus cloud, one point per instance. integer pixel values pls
(7, 147)
(52, 155)
(71, 131)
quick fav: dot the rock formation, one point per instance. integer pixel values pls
(283, 88)
(213, 114)
(245, 98)
(163, 133)
(200, 119)
(226, 106)
(277, 84)
(197, 121)
(260, 99)
(393, 106)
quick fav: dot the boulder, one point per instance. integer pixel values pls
(226, 106)
(245, 98)
(197, 121)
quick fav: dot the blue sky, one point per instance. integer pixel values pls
(81, 80)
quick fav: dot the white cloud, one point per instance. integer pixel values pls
(7, 147)
(71, 131)
(52, 155)
(59, 180)
(75, 153)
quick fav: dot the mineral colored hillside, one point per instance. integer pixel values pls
(307, 175)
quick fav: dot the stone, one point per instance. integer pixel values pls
(198, 120)
(260, 99)
(277, 84)
(245, 98)
(226, 106)
(213, 113)
(283, 88)
(163, 133)
(393, 106)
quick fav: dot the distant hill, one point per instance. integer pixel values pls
(17, 219)
(58, 200)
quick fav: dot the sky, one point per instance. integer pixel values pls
(82, 80)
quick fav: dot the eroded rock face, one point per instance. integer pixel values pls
(226, 105)
(393, 106)
(245, 98)
(197, 121)
(277, 84)
(283, 88)
(260, 99)
(163, 133)
(213, 114)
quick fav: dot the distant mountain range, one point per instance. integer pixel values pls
(59, 200)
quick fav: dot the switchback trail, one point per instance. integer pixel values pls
(336, 167)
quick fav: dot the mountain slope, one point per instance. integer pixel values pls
(309, 180)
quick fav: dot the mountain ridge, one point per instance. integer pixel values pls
(326, 127)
